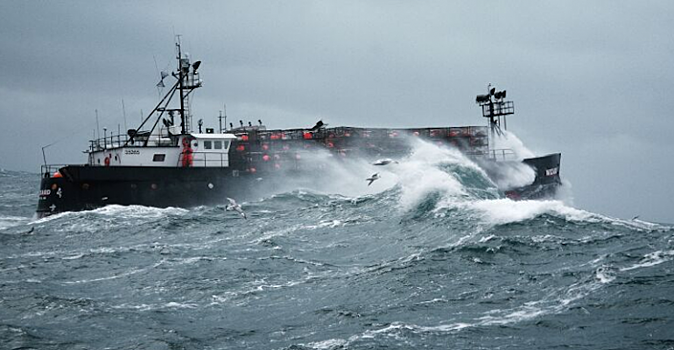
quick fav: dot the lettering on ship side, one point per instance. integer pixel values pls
(552, 172)
(132, 151)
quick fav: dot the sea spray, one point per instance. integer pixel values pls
(509, 141)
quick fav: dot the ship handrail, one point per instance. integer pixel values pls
(120, 141)
(502, 154)
(50, 169)
(205, 161)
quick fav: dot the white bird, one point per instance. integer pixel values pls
(233, 205)
(372, 178)
(384, 161)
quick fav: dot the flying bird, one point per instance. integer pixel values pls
(233, 205)
(373, 178)
(385, 161)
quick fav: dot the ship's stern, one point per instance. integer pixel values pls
(55, 194)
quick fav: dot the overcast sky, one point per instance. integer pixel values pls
(590, 79)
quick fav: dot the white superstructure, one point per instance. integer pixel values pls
(191, 150)
(166, 144)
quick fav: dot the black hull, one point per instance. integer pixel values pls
(85, 187)
(89, 187)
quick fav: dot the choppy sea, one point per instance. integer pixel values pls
(437, 259)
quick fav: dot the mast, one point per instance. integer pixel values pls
(181, 86)
(188, 80)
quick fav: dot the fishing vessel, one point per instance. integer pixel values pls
(165, 162)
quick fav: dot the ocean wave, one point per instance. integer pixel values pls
(557, 302)
(505, 211)
(652, 259)
(128, 273)
(8, 221)
(120, 212)
(172, 305)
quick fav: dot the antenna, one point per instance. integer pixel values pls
(220, 118)
(124, 114)
(160, 84)
(98, 129)
(44, 157)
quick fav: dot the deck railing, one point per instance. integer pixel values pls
(502, 154)
(206, 159)
(49, 169)
(119, 140)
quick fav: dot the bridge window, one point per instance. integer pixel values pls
(217, 144)
(158, 157)
(207, 145)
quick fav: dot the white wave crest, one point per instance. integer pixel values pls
(123, 213)
(652, 259)
(10, 221)
(419, 174)
(137, 211)
(505, 211)
(604, 274)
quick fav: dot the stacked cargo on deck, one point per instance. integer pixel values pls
(260, 150)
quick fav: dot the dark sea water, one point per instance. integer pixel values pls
(438, 260)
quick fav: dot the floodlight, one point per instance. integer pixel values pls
(482, 99)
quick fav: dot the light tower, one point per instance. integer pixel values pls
(495, 109)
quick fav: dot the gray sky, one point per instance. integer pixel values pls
(589, 79)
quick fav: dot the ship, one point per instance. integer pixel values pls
(165, 162)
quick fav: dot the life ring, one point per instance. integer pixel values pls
(107, 161)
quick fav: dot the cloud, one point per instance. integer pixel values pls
(576, 73)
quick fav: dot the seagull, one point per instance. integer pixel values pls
(384, 161)
(233, 205)
(372, 178)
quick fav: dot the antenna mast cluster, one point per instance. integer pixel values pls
(188, 80)
(495, 108)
